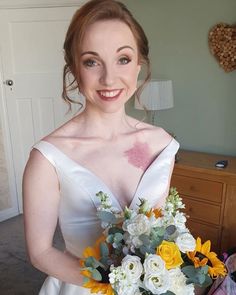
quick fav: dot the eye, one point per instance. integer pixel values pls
(90, 63)
(124, 60)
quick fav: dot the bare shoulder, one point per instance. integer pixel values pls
(156, 136)
(38, 165)
(62, 135)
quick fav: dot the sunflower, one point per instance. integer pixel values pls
(93, 285)
(96, 287)
(202, 256)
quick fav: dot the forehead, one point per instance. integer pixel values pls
(108, 33)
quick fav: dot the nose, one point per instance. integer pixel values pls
(108, 75)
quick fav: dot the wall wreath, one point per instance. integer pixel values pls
(222, 44)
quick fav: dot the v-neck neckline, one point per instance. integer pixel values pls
(103, 184)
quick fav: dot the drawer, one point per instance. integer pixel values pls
(200, 188)
(205, 232)
(202, 211)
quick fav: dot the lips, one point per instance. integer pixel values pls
(109, 95)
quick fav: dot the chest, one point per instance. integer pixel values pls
(118, 175)
(121, 170)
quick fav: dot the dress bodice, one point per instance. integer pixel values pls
(78, 219)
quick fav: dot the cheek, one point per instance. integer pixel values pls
(131, 74)
(87, 78)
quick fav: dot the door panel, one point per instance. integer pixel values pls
(32, 57)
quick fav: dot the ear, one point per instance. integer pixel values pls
(139, 67)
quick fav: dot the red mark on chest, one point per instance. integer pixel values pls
(139, 155)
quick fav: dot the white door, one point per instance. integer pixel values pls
(31, 53)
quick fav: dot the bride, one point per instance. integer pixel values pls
(100, 149)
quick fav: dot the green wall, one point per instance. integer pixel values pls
(204, 114)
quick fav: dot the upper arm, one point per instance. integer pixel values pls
(41, 201)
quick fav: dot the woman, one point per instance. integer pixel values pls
(101, 149)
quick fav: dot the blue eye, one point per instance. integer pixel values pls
(124, 60)
(90, 63)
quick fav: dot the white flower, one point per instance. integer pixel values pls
(138, 225)
(153, 264)
(157, 283)
(132, 266)
(186, 242)
(178, 283)
(120, 281)
(179, 221)
(130, 289)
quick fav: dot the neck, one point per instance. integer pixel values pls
(105, 125)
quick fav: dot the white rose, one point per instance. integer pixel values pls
(138, 225)
(178, 283)
(132, 266)
(186, 242)
(153, 264)
(157, 283)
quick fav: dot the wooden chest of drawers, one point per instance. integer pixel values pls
(209, 194)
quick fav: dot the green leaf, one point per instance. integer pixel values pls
(107, 217)
(208, 281)
(96, 275)
(104, 250)
(201, 278)
(145, 239)
(114, 230)
(118, 237)
(205, 269)
(189, 271)
(171, 229)
(92, 262)
(85, 280)
(159, 231)
(168, 293)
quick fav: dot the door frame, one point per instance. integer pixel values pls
(6, 4)
(14, 209)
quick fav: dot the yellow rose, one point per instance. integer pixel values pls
(170, 253)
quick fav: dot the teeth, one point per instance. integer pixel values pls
(109, 93)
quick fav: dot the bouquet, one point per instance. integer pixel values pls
(148, 251)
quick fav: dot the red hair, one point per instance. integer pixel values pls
(88, 14)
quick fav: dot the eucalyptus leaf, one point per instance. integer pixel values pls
(201, 278)
(143, 249)
(208, 281)
(104, 250)
(96, 275)
(189, 271)
(171, 229)
(110, 239)
(107, 217)
(114, 230)
(160, 231)
(145, 239)
(118, 237)
(205, 269)
(92, 262)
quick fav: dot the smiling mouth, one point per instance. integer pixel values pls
(109, 94)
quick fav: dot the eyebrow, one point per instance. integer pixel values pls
(123, 47)
(118, 50)
(89, 52)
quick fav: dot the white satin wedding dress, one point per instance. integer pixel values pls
(79, 223)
